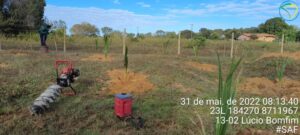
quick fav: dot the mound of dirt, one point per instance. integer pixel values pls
(203, 67)
(4, 65)
(294, 55)
(265, 87)
(122, 82)
(97, 57)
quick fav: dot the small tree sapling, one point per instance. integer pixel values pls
(106, 45)
(196, 43)
(126, 59)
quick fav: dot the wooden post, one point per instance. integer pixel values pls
(65, 49)
(179, 47)
(0, 46)
(55, 43)
(231, 51)
(124, 41)
(282, 43)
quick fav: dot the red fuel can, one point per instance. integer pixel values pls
(123, 105)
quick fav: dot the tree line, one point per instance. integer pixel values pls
(276, 26)
(23, 16)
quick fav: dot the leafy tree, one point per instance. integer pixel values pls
(228, 33)
(298, 36)
(131, 35)
(58, 27)
(171, 34)
(187, 34)
(273, 26)
(215, 35)
(106, 30)
(290, 33)
(60, 24)
(160, 33)
(84, 29)
(251, 30)
(24, 15)
(205, 32)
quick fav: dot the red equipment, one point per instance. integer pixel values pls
(123, 105)
(67, 75)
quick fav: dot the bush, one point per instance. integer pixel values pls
(196, 43)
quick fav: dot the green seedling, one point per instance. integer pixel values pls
(226, 91)
(196, 43)
(280, 68)
(126, 59)
(106, 45)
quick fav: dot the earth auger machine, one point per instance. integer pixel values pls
(64, 78)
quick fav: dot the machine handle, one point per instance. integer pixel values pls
(59, 62)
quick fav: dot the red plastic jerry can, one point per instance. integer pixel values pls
(123, 105)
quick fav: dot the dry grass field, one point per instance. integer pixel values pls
(157, 79)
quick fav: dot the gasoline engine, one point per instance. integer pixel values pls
(64, 79)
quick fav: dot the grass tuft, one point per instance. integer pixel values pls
(226, 91)
(280, 67)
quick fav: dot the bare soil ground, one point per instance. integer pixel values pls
(292, 55)
(203, 67)
(98, 57)
(4, 65)
(262, 86)
(128, 82)
(157, 80)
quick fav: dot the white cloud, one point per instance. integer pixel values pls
(144, 5)
(117, 2)
(246, 9)
(115, 18)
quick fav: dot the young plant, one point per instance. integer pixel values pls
(106, 45)
(280, 68)
(126, 59)
(196, 43)
(226, 91)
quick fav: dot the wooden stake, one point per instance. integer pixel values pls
(124, 41)
(179, 47)
(282, 43)
(65, 49)
(231, 51)
(0, 46)
(55, 42)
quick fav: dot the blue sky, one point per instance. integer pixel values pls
(168, 15)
